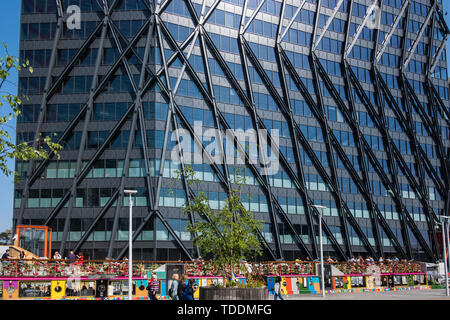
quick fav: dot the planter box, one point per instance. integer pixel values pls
(213, 293)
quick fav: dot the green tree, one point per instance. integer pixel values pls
(25, 150)
(231, 235)
(5, 235)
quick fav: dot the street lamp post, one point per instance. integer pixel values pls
(322, 278)
(130, 245)
(444, 249)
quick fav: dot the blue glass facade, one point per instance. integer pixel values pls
(361, 110)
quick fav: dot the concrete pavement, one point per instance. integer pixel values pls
(434, 294)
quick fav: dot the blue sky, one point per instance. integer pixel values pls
(9, 33)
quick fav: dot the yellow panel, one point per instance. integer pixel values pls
(283, 287)
(196, 292)
(58, 289)
(10, 291)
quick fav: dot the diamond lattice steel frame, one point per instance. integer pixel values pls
(158, 36)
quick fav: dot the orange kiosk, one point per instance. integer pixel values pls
(35, 239)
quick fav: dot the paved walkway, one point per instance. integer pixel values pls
(435, 294)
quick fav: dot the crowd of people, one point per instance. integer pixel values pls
(180, 289)
(367, 260)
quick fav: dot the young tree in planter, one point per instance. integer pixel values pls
(231, 234)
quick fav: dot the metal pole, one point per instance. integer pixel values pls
(447, 244)
(130, 252)
(444, 258)
(322, 279)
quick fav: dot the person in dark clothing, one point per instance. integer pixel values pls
(182, 286)
(72, 256)
(6, 255)
(188, 293)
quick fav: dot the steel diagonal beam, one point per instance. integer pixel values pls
(434, 133)
(235, 84)
(170, 111)
(205, 93)
(380, 127)
(198, 141)
(211, 90)
(369, 152)
(363, 164)
(407, 125)
(225, 182)
(380, 102)
(284, 162)
(69, 129)
(419, 109)
(397, 154)
(141, 116)
(97, 219)
(132, 134)
(84, 136)
(440, 147)
(168, 227)
(391, 32)
(361, 153)
(419, 36)
(211, 162)
(438, 55)
(361, 27)
(392, 167)
(43, 108)
(419, 162)
(249, 88)
(440, 14)
(443, 109)
(281, 36)
(441, 152)
(208, 98)
(302, 88)
(298, 162)
(320, 116)
(192, 11)
(341, 153)
(57, 83)
(408, 129)
(91, 162)
(100, 150)
(311, 153)
(204, 16)
(319, 108)
(327, 25)
(243, 16)
(252, 17)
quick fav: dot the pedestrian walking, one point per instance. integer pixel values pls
(173, 291)
(182, 286)
(277, 288)
(153, 287)
(188, 293)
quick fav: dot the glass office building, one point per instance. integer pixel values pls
(357, 89)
